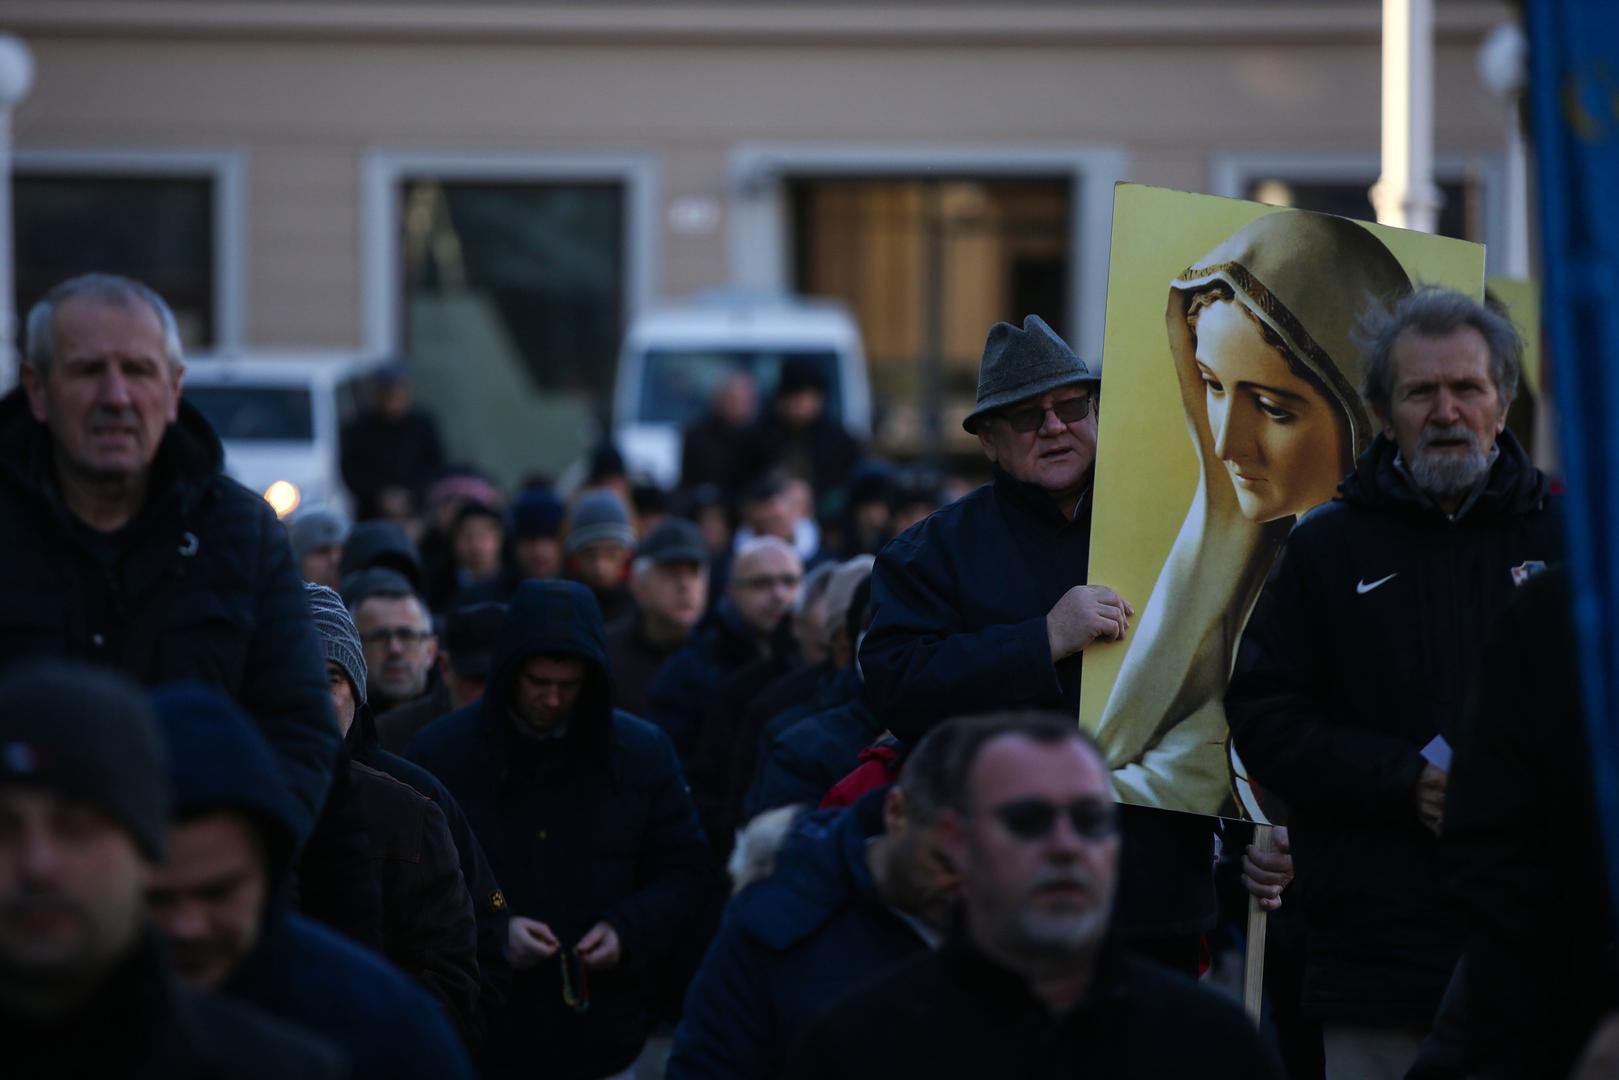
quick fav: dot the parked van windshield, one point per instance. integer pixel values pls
(256, 413)
(676, 384)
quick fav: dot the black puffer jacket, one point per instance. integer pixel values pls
(204, 588)
(960, 627)
(1365, 644)
(594, 826)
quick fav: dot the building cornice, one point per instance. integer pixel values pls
(1328, 21)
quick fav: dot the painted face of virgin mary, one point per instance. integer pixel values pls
(1284, 444)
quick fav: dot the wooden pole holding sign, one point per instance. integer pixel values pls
(1253, 979)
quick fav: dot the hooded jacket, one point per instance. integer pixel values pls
(593, 825)
(960, 627)
(807, 759)
(143, 1024)
(812, 930)
(200, 585)
(299, 971)
(1365, 644)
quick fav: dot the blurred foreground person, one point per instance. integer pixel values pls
(1522, 811)
(1031, 983)
(588, 825)
(669, 583)
(85, 990)
(126, 544)
(846, 896)
(218, 900)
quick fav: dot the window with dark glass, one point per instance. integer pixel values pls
(927, 266)
(158, 230)
(514, 306)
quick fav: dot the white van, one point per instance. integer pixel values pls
(279, 415)
(674, 357)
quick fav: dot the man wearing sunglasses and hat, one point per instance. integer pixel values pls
(984, 606)
(1030, 982)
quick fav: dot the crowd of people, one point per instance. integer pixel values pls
(784, 762)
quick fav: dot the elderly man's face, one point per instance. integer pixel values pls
(399, 646)
(673, 592)
(1444, 409)
(109, 393)
(1039, 851)
(208, 897)
(1056, 456)
(764, 586)
(71, 885)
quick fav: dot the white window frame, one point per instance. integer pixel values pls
(384, 172)
(761, 243)
(226, 167)
(1231, 173)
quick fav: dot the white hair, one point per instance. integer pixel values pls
(110, 289)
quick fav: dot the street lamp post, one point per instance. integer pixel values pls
(1405, 194)
(16, 78)
(1503, 65)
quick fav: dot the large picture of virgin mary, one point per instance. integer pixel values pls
(1257, 332)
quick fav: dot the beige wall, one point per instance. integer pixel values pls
(305, 113)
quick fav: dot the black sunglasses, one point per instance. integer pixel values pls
(1033, 819)
(1030, 417)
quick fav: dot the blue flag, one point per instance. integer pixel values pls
(1574, 98)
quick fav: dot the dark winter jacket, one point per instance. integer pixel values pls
(823, 453)
(798, 694)
(956, 1013)
(714, 452)
(200, 585)
(1365, 644)
(961, 599)
(334, 884)
(378, 453)
(811, 756)
(1524, 845)
(685, 687)
(298, 971)
(428, 929)
(594, 825)
(488, 902)
(635, 662)
(398, 725)
(144, 1025)
(813, 930)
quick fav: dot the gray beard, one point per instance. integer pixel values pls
(1449, 475)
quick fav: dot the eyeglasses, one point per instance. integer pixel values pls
(1030, 417)
(765, 581)
(1033, 819)
(386, 636)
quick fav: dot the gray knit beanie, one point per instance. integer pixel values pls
(317, 527)
(339, 639)
(598, 515)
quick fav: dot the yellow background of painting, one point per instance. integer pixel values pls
(1522, 299)
(1146, 466)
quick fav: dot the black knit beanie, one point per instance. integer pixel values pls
(86, 734)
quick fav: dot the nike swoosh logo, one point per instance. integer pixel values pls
(1363, 587)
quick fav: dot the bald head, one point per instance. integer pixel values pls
(764, 583)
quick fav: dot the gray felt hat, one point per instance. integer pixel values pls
(317, 527)
(339, 638)
(1021, 364)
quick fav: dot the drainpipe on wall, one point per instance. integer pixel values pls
(1405, 194)
(16, 78)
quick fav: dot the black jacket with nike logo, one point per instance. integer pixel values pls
(1365, 644)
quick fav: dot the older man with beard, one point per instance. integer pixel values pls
(1362, 655)
(1031, 983)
